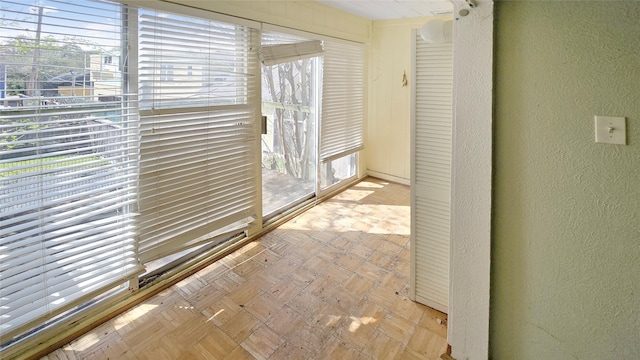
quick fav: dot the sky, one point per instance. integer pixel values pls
(95, 22)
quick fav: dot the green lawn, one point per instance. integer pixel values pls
(17, 167)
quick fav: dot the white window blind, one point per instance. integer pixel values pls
(67, 159)
(282, 53)
(198, 130)
(341, 124)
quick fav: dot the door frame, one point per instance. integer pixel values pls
(470, 257)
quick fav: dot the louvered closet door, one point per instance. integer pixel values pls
(431, 172)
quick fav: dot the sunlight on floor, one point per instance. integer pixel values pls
(88, 341)
(247, 248)
(353, 195)
(132, 315)
(333, 320)
(369, 184)
(331, 283)
(389, 219)
(357, 322)
(216, 314)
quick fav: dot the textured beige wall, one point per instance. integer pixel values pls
(388, 141)
(566, 232)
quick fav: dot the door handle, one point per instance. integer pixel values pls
(263, 130)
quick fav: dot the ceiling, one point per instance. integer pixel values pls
(392, 9)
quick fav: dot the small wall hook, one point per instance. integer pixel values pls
(405, 82)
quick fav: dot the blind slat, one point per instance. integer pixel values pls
(198, 130)
(68, 159)
(341, 128)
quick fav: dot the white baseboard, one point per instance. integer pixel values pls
(388, 177)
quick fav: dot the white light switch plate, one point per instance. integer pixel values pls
(611, 130)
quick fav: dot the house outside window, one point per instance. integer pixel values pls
(166, 72)
(110, 161)
(67, 163)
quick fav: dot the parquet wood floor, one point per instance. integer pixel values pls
(331, 283)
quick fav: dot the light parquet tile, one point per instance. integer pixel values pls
(262, 343)
(397, 328)
(263, 306)
(239, 353)
(338, 349)
(332, 283)
(382, 346)
(215, 345)
(241, 325)
(285, 321)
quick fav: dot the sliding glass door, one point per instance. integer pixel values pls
(289, 147)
